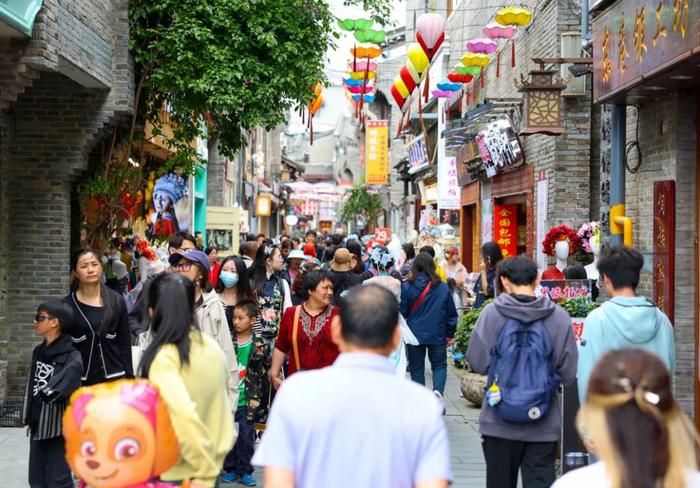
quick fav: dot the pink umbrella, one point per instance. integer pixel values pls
(362, 65)
(494, 30)
(360, 89)
(482, 46)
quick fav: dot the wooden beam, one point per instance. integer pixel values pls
(543, 61)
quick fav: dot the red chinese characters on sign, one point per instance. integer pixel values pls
(505, 228)
(664, 246)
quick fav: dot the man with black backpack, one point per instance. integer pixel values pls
(526, 346)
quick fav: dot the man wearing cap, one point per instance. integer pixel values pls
(341, 273)
(210, 311)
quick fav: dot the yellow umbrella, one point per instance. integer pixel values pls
(514, 16)
(360, 75)
(475, 59)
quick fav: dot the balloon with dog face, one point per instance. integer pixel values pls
(119, 434)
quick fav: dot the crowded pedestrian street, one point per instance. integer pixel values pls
(349, 243)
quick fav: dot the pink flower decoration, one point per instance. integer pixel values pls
(483, 46)
(442, 93)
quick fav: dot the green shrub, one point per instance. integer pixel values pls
(465, 326)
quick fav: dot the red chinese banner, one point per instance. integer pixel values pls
(505, 228)
(664, 246)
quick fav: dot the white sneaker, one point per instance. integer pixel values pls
(442, 400)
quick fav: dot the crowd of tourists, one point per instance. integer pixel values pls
(292, 356)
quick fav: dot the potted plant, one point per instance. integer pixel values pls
(465, 326)
(578, 309)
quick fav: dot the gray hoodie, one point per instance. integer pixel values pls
(482, 341)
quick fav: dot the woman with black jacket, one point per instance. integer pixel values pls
(100, 324)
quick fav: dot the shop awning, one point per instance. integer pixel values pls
(18, 16)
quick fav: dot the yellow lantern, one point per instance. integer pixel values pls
(475, 60)
(419, 60)
(514, 16)
(401, 87)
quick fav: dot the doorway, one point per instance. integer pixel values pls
(469, 237)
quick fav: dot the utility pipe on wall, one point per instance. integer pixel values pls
(620, 224)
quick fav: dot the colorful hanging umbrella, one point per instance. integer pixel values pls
(355, 24)
(430, 33)
(360, 89)
(475, 59)
(352, 82)
(360, 75)
(398, 98)
(442, 93)
(367, 98)
(447, 85)
(514, 17)
(494, 30)
(467, 70)
(401, 87)
(366, 51)
(362, 65)
(370, 35)
(455, 77)
(483, 46)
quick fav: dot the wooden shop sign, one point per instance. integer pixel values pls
(664, 246)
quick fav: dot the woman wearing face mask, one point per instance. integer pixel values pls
(100, 324)
(211, 316)
(233, 286)
(272, 291)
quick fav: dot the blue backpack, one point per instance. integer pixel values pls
(522, 366)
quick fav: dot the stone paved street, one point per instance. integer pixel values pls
(467, 459)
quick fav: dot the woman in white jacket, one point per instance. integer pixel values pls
(209, 309)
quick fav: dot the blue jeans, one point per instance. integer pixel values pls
(437, 353)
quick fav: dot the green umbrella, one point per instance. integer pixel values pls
(355, 24)
(375, 36)
(467, 70)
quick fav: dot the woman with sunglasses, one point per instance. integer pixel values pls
(209, 309)
(100, 324)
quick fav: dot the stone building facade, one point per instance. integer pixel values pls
(61, 92)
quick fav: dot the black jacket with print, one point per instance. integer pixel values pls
(106, 355)
(54, 375)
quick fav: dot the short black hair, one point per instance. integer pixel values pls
(59, 310)
(178, 238)
(337, 239)
(369, 316)
(209, 249)
(250, 307)
(311, 233)
(314, 278)
(428, 250)
(621, 265)
(575, 272)
(249, 237)
(519, 270)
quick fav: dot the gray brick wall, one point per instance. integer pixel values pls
(48, 125)
(667, 136)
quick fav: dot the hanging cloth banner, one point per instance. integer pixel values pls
(377, 152)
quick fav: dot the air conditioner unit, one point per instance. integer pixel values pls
(571, 48)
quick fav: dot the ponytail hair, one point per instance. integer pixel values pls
(171, 297)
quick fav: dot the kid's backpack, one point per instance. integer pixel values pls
(522, 372)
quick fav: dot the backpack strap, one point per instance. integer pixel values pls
(422, 296)
(295, 332)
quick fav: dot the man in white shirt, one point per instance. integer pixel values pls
(356, 423)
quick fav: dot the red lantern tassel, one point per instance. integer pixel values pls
(468, 96)
(420, 109)
(498, 64)
(311, 130)
(481, 77)
(398, 129)
(426, 88)
(512, 53)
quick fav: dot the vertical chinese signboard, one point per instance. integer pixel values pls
(505, 228)
(448, 187)
(664, 245)
(377, 152)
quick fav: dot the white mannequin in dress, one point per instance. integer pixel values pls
(561, 251)
(592, 269)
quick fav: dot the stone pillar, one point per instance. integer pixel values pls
(216, 174)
